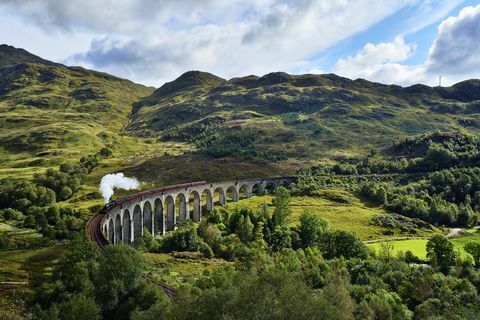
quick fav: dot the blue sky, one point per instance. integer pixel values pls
(396, 41)
(393, 25)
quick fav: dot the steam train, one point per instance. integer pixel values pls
(118, 202)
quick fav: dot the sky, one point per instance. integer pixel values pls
(400, 42)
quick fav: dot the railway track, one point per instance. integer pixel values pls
(95, 234)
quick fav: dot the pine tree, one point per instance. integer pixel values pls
(283, 212)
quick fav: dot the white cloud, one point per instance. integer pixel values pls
(376, 61)
(155, 41)
(454, 55)
(456, 49)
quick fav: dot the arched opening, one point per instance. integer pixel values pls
(111, 236)
(270, 188)
(181, 207)
(148, 217)
(137, 222)
(207, 200)
(159, 217)
(118, 229)
(245, 191)
(257, 189)
(219, 196)
(283, 183)
(170, 204)
(196, 205)
(232, 194)
(127, 227)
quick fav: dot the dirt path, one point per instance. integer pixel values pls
(454, 232)
(393, 239)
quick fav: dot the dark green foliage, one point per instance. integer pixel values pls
(5, 242)
(282, 213)
(441, 253)
(68, 179)
(410, 257)
(80, 307)
(447, 197)
(474, 249)
(120, 273)
(311, 229)
(36, 200)
(341, 244)
(85, 284)
(185, 238)
(395, 221)
(270, 295)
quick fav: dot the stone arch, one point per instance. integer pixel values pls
(170, 204)
(207, 195)
(181, 207)
(111, 236)
(245, 191)
(257, 189)
(232, 194)
(118, 229)
(159, 217)
(137, 222)
(270, 188)
(283, 183)
(194, 199)
(127, 227)
(148, 217)
(220, 193)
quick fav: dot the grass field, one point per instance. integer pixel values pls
(418, 246)
(352, 214)
(28, 265)
(18, 269)
(180, 268)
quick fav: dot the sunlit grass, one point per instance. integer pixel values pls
(418, 246)
(354, 216)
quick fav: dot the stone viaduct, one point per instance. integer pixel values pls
(159, 210)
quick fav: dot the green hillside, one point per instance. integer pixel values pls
(50, 112)
(305, 117)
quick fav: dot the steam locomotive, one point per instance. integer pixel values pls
(118, 202)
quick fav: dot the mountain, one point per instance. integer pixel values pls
(202, 127)
(50, 112)
(302, 116)
(10, 55)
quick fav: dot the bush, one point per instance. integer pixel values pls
(185, 238)
(11, 214)
(206, 250)
(5, 242)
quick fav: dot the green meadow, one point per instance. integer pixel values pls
(418, 246)
(343, 210)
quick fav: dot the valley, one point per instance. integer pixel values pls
(372, 163)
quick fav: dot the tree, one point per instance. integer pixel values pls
(310, 229)
(381, 196)
(441, 253)
(334, 244)
(244, 229)
(282, 213)
(106, 152)
(65, 193)
(474, 249)
(80, 307)
(121, 271)
(281, 238)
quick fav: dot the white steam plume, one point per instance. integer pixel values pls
(116, 181)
